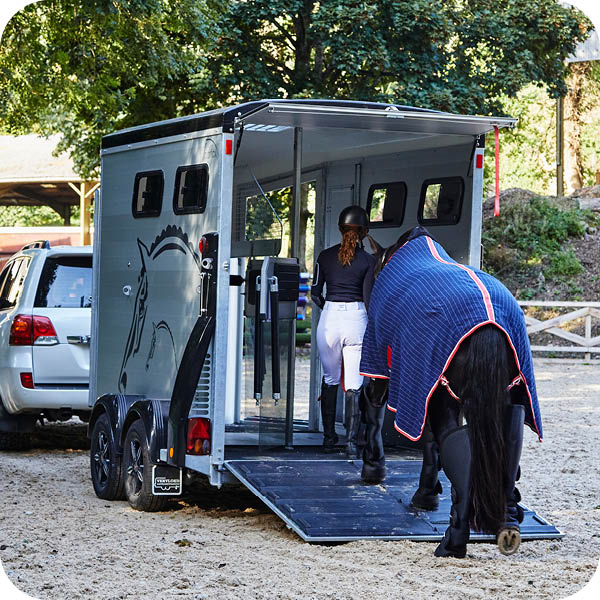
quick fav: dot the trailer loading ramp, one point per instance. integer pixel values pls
(325, 501)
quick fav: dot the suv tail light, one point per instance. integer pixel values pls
(27, 330)
(198, 436)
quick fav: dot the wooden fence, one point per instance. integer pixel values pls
(581, 344)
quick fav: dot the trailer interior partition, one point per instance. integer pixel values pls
(200, 237)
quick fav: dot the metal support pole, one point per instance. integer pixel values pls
(560, 146)
(295, 235)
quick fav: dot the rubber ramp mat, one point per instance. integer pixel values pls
(325, 501)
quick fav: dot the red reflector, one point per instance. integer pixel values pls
(228, 146)
(27, 380)
(479, 161)
(203, 245)
(21, 331)
(42, 327)
(198, 436)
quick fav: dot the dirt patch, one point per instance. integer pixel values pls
(60, 541)
(528, 279)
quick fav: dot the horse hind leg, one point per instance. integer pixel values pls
(455, 454)
(509, 535)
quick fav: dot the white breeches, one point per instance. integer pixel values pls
(339, 336)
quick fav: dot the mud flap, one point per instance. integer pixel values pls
(167, 480)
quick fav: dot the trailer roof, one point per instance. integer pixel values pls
(347, 114)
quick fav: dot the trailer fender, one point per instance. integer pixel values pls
(154, 414)
(116, 406)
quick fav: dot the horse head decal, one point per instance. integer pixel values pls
(171, 239)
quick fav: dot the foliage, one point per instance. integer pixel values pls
(84, 68)
(528, 153)
(34, 216)
(444, 54)
(534, 236)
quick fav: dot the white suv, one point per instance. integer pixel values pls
(45, 314)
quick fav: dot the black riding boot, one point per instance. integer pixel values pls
(426, 497)
(509, 535)
(455, 454)
(375, 394)
(352, 422)
(328, 405)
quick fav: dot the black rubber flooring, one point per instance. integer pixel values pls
(325, 500)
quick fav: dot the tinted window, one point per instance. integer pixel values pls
(191, 187)
(66, 282)
(11, 283)
(441, 201)
(386, 203)
(147, 194)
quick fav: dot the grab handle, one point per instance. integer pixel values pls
(259, 350)
(276, 353)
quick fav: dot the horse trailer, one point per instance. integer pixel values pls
(198, 247)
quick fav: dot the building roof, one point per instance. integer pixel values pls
(31, 176)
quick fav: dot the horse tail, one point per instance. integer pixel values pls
(489, 368)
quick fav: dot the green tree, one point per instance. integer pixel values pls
(443, 54)
(84, 68)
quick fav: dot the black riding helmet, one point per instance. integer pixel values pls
(354, 215)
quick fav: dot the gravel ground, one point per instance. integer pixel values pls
(58, 540)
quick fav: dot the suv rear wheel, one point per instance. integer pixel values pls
(138, 471)
(15, 441)
(105, 462)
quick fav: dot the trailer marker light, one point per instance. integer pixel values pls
(203, 245)
(198, 436)
(170, 452)
(479, 161)
(27, 380)
(228, 146)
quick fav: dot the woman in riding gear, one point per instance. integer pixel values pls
(347, 271)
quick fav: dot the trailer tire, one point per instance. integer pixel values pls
(137, 471)
(14, 441)
(106, 462)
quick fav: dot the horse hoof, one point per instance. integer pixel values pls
(421, 501)
(509, 541)
(372, 475)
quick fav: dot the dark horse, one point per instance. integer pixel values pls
(447, 342)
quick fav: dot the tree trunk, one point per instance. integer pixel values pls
(573, 107)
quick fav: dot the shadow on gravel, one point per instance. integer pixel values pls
(201, 495)
(71, 435)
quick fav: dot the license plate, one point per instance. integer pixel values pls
(167, 481)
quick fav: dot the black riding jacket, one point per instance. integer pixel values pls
(352, 283)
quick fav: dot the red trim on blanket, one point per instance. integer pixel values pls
(374, 376)
(415, 439)
(485, 294)
(389, 357)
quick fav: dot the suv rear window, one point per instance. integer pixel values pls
(66, 282)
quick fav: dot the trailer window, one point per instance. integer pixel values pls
(191, 189)
(441, 201)
(386, 203)
(147, 194)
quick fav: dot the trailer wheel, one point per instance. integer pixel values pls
(138, 471)
(105, 462)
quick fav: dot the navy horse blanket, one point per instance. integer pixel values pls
(423, 305)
